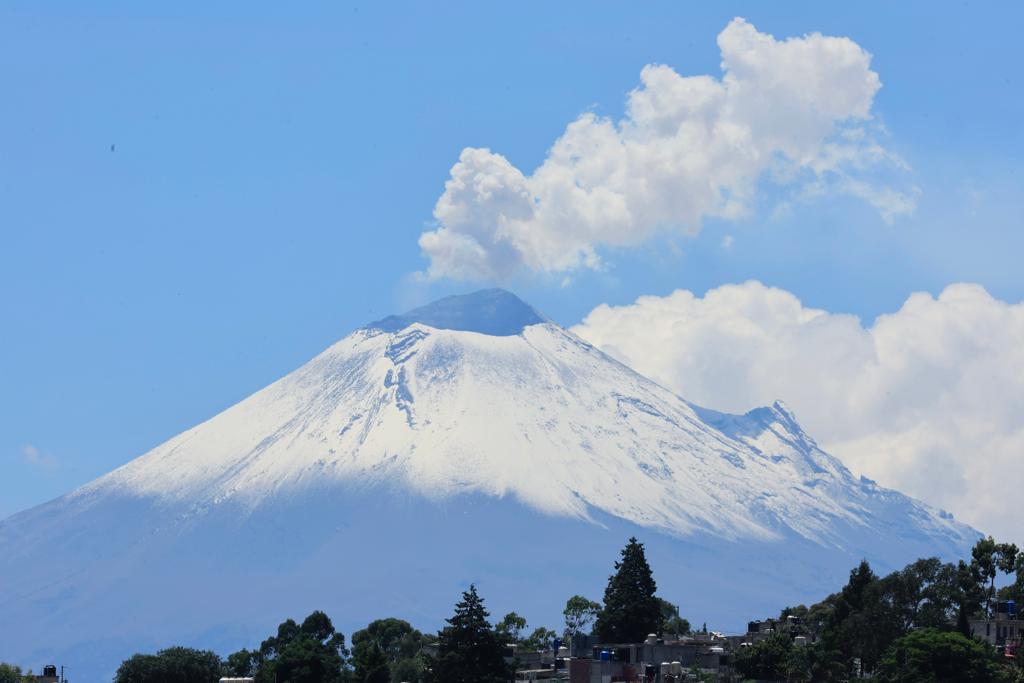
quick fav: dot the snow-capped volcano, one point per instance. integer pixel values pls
(481, 394)
(473, 405)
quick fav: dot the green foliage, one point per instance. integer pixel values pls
(469, 649)
(778, 658)
(1019, 584)
(311, 653)
(580, 614)
(923, 594)
(989, 558)
(970, 593)
(372, 666)
(933, 655)
(242, 664)
(766, 659)
(814, 663)
(1008, 555)
(540, 639)
(407, 670)
(10, 673)
(391, 643)
(870, 613)
(510, 628)
(631, 610)
(671, 622)
(173, 665)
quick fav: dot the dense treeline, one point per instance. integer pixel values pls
(912, 625)
(909, 626)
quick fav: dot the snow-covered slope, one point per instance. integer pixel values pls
(475, 401)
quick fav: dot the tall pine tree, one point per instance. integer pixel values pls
(631, 611)
(469, 649)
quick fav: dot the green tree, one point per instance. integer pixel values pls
(540, 639)
(469, 649)
(863, 621)
(820, 615)
(407, 670)
(399, 643)
(396, 637)
(172, 665)
(919, 594)
(1015, 590)
(311, 653)
(1008, 557)
(242, 664)
(932, 655)
(140, 668)
(970, 595)
(372, 666)
(813, 663)
(510, 628)
(579, 614)
(990, 558)
(765, 659)
(631, 610)
(671, 622)
(10, 673)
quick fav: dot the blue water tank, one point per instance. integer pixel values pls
(606, 656)
(1011, 607)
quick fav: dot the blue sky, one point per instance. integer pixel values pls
(273, 169)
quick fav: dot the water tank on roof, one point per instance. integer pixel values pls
(50, 671)
(606, 656)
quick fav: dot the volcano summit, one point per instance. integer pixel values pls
(468, 440)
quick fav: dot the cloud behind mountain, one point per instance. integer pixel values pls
(927, 399)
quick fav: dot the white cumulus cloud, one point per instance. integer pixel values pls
(794, 112)
(928, 400)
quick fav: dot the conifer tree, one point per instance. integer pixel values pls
(469, 649)
(631, 611)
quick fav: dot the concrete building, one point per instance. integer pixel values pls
(792, 626)
(656, 660)
(1004, 629)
